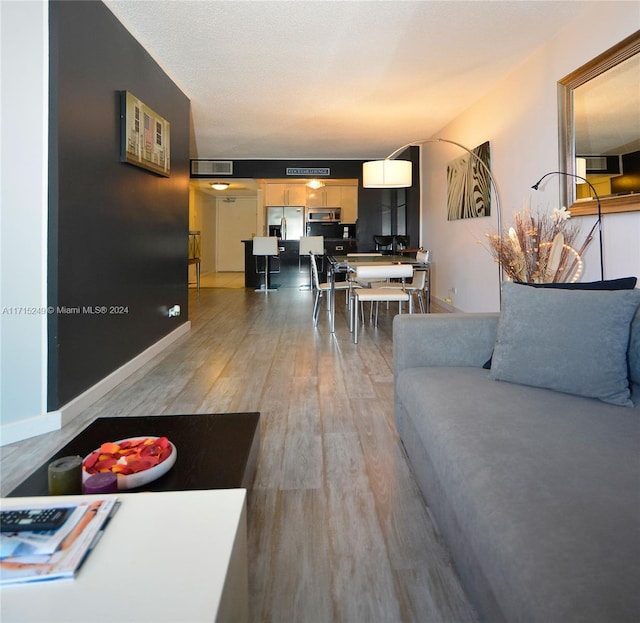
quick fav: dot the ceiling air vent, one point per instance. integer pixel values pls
(212, 167)
(596, 163)
(606, 165)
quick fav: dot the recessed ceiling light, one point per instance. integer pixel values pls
(220, 186)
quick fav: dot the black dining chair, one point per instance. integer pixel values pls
(383, 243)
(401, 242)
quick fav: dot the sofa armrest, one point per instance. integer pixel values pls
(443, 340)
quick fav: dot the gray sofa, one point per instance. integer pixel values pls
(535, 491)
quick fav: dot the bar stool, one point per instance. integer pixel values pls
(196, 261)
(194, 254)
(267, 246)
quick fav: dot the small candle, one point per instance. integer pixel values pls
(104, 482)
(65, 476)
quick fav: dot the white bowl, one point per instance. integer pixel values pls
(131, 481)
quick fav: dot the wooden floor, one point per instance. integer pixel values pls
(338, 530)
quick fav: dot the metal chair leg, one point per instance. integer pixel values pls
(316, 307)
(356, 305)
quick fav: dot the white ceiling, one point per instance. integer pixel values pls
(334, 78)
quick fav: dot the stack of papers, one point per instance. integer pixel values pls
(53, 554)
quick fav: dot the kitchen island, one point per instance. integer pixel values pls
(288, 269)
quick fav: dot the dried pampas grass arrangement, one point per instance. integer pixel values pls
(539, 247)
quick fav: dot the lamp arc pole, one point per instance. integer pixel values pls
(482, 164)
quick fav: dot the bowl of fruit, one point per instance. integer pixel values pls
(136, 461)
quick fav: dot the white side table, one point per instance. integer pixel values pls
(170, 556)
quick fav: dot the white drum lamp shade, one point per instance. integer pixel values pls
(386, 173)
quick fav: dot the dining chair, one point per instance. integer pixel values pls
(423, 262)
(422, 256)
(310, 244)
(351, 276)
(416, 288)
(321, 288)
(383, 243)
(379, 294)
(401, 242)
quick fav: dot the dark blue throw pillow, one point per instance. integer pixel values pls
(624, 283)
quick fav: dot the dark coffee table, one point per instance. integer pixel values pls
(215, 451)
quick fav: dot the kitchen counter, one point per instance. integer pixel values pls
(289, 270)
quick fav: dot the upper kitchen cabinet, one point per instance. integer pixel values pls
(285, 194)
(325, 196)
(345, 197)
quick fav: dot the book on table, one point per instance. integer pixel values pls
(37, 555)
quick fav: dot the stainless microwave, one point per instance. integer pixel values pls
(323, 215)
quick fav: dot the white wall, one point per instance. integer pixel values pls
(519, 118)
(23, 221)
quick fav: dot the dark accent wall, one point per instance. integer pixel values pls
(117, 233)
(374, 202)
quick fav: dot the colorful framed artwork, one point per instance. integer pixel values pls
(145, 136)
(469, 185)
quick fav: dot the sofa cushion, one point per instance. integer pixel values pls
(544, 487)
(634, 351)
(624, 283)
(572, 341)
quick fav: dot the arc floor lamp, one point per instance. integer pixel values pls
(393, 173)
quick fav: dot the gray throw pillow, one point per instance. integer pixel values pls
(573, 341)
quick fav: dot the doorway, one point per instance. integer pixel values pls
(236, 219)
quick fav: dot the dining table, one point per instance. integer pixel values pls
(341, 264)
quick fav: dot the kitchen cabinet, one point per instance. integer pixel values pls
(340, 247)
(345, 197)
(285, 195)
(326, 196)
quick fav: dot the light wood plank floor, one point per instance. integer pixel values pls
(338, 530)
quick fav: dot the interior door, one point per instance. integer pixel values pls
(235, 221)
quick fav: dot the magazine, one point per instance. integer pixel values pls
(54, 554)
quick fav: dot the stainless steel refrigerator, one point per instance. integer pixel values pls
(290, 219)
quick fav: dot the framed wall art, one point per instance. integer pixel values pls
(469, 185)
(145, 136)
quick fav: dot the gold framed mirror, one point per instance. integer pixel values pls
(599, 123)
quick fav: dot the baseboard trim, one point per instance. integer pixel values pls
(54, 420)
(30, 427)
(72, 409)
(447, 306)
